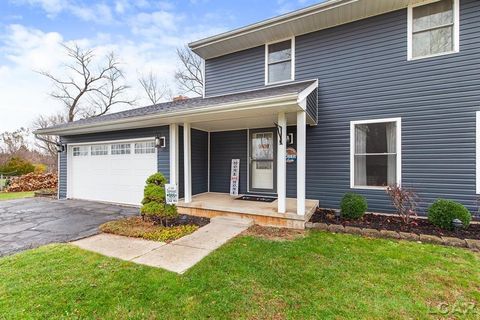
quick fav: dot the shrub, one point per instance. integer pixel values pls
(404, 200)
(442, 213)
(16, 166)
(153, 203)
(353, 206)
(40, 168)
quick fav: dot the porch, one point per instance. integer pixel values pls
(212, 204)
(257, 134)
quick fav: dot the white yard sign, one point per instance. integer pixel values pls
(235, 177)
(171, 194)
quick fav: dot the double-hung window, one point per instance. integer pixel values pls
(433, 28)
(375, 147)
(280, 62)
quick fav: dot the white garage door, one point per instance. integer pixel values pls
(111, 172)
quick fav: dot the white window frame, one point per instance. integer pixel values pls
(94, 152)
(84, 153)
(144, 148)
(292, 75)
(398, 121)
(478, 151)
(456, 30)
(121, 154)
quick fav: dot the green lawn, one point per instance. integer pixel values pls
(15, 195)
(320, 276)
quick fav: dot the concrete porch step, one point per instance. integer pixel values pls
(239, 221)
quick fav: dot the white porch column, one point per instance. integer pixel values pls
(174, 165)
(282, 164)
(301, 160)
(187, 162)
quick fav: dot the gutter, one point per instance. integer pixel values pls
(187, 112)
(325, 6)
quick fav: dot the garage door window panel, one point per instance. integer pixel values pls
(81, 151)
(147, 147)
(121, 149)
(100, 150)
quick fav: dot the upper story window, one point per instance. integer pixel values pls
(433, 29)
(375, 149)
(280, 62)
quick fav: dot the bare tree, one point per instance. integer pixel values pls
(189, 76)
(88, 89)
(154, 89)
(47, 144)
(13, 142)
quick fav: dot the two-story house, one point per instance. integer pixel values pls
(343, 96)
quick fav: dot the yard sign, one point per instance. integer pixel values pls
(235, 177)
(171, 194)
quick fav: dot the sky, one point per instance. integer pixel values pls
(144, 34)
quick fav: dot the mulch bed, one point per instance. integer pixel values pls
(394, 223)
(184, 220)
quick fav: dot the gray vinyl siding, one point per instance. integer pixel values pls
(163, 158)
(199, 161)
(242, 71)
(225, 146)
(364, 74)
(312, 106)
(62, 170)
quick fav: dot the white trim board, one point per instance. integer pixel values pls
(478, 151)
(456, 30)
(352, 151)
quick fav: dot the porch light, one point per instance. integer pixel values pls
(160, 142)
(60, 147)
(457, 224)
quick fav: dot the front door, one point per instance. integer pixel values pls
(263, 161)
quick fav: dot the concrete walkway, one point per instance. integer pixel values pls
(177, 256)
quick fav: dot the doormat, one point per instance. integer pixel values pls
(257, 198)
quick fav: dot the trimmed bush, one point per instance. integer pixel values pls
(154, 205)
(353, 206)
(442, 213)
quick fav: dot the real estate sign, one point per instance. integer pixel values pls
(171, 194)
(235, 177)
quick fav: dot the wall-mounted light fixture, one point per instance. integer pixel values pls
(160, 142)
(290, 138)
(60, 147)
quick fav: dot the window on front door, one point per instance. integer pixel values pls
(262, 161)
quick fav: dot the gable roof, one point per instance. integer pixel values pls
(317, 17)
(132, 118)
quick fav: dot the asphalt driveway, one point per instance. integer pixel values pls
(30, 223)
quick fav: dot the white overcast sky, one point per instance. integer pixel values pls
(144, 34)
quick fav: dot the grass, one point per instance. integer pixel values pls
(15, 195)
(318, 276)
(139, 228)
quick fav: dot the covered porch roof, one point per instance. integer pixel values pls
(251, 109)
